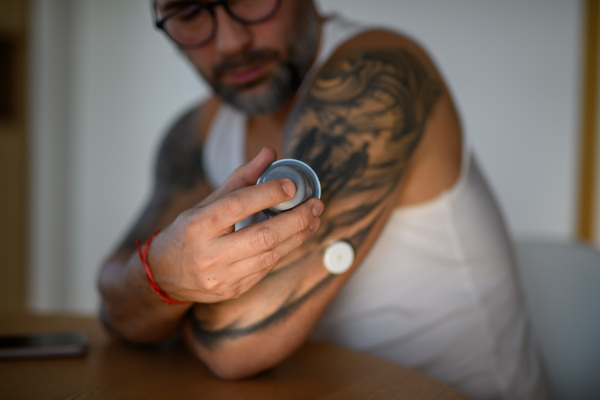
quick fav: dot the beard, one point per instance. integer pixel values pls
(283, 84)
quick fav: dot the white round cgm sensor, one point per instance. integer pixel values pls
(338, 257)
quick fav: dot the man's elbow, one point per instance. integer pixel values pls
(129, 332)
(240, 357)
(230, 361)
(232, 373)
(234, 368)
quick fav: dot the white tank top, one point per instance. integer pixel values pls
(438, 290)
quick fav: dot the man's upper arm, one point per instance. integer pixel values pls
(178, 180)
(357, 127)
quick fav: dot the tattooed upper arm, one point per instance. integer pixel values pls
(178, 171)
(357, 127)
(179, 162)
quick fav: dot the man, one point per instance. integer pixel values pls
(431, 285)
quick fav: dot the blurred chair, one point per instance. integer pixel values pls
(561, 283)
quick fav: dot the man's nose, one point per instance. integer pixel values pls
(232, 36)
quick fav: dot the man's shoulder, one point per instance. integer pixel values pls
(380, 38)
(179, 161)
(382, 41)
(382, 83)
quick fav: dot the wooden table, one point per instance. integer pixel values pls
(112, 370)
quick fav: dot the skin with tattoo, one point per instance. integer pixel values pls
(379, 128)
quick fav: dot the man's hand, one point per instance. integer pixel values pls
(201, 258)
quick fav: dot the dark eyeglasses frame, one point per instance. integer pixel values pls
(160, 24)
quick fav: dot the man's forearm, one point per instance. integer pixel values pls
(129, 307)
(245, 336)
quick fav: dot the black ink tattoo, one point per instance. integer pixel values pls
(210, 339)
(357, 127)
(180, 162)
(178, 170)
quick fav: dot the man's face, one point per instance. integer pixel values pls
(258, 67)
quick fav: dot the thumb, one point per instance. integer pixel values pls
(248, 174)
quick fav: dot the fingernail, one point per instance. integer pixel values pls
(317, 208)
(258, 154)
(314, 225)
(289, 188)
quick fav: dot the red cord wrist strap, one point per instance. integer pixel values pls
(144, 259)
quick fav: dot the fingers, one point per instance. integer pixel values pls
(239, 260)
(241, 203)
(248, 174)
(253, 269)
(269, 241)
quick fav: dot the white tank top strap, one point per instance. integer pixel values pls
(224, 146)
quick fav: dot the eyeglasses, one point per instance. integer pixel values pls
(192, 24)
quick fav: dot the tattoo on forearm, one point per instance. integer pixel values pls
(210, 339)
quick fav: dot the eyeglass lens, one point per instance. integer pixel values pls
(194, 24)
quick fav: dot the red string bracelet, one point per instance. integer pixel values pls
(144, 258)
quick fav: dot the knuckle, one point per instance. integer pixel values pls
(299, 238)
(264, 238)
(234, 205)
(297, 221)
(296, 241)
(269, 258)
(208, 220)
(206, 276)
(302, 219)
(212, 284)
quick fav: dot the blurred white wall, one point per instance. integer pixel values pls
(106, 85)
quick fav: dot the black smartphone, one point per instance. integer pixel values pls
(43, 345)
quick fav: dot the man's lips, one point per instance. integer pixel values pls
(246, 69)
(243, 76)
